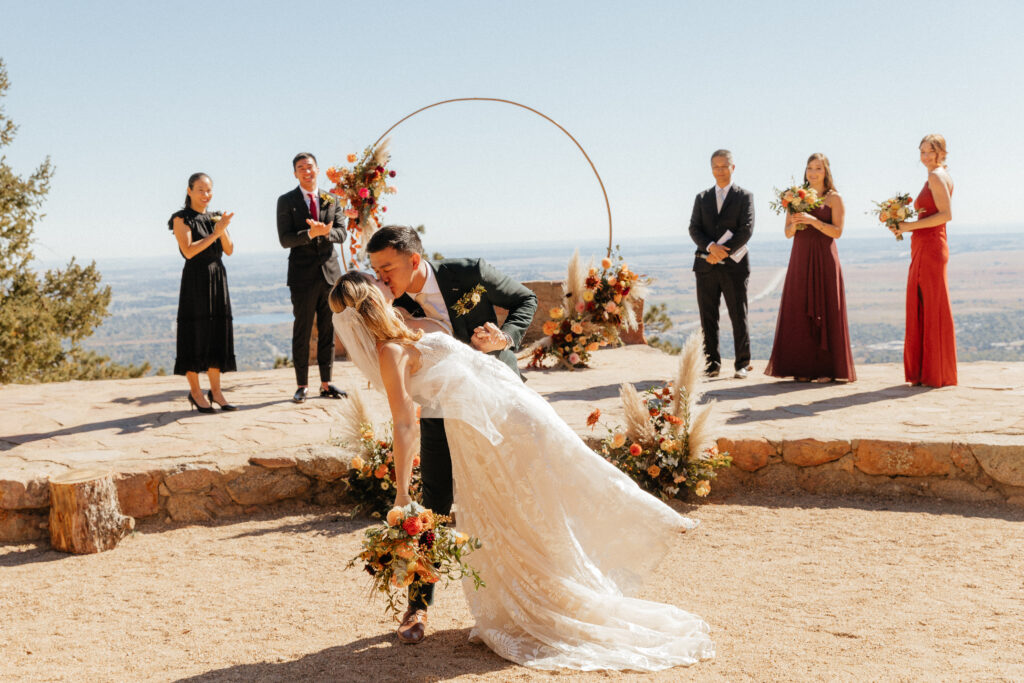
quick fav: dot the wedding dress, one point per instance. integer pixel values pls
(567, 537)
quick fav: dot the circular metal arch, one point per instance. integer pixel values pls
(597, 175)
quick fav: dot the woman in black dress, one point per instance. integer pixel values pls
(205, 339)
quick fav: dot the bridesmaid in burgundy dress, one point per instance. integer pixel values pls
(812, 338)
(929, 349)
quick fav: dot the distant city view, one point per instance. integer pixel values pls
(986, 280)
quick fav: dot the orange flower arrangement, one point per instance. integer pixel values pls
(363, 187)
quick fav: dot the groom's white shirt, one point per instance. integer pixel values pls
(434, 300)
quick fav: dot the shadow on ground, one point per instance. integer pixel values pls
(442, 656)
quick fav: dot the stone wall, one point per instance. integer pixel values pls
(201, 492)
(195, 492)
(950, 471)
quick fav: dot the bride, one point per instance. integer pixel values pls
(567, 537)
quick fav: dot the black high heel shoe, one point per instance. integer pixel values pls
(227, 407)
(198, 407)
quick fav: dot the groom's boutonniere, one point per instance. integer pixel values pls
(326, 198)
(469, 300)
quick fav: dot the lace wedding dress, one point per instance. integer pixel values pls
(566, 536)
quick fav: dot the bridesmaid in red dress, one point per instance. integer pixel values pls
(929, 350)
(812, 338)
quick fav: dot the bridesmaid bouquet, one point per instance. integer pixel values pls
(363, 186)
(894, 210)
(414, 548)
(796, 199)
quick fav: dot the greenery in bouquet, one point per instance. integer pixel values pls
(412, 549)
(363, 186)
(598, 304)
(665, 446)
(894, 210)
(371, 475)
(796, 199)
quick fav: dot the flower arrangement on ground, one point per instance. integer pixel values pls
(371, 475)
(411, 549)
(363, 186)
(894, 210)
(796, 199)
(664, 446)
(598, 304)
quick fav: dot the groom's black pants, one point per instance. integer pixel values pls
(436, 478)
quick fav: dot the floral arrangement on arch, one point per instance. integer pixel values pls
(598, 304)
(796, 199)
(371, 475)
(664, 446)
(411, 549)
(363, 186)
(895, 209)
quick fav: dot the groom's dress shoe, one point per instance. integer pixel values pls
(300, 395)
(413, 628)
(332, 392)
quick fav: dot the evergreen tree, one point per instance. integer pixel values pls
(43, 319)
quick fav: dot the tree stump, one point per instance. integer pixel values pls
(85, 516)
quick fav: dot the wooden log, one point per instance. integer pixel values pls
(85, 516)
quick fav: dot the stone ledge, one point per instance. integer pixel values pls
(957, 472)
(204, 491)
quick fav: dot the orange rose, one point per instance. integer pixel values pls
(351, 158)
(593, 346)
(606, 263)
(381, 471)
(577, 328)
(550, 327)
(618, 440)
(653, 471)
(394, 516)
(635, 450)
(556, 313)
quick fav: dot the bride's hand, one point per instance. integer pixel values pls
(402, 499)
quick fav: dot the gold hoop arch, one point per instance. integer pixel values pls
(597, 175)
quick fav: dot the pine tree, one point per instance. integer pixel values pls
(43, 320)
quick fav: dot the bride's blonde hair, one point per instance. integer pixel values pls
(356, 290)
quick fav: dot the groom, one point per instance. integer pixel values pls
(444, 291)
(721, 224)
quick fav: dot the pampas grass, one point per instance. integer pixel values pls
(575, 281)
(354, 419)
(638, 419)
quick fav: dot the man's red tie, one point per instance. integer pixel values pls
(312, 209)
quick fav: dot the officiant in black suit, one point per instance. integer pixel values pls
(461, 295)
(721, 224)
(310, 222)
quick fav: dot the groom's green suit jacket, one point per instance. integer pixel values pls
(457, 279)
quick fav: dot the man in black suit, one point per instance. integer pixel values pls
(444, 291)
(721, 225)
(309, 223)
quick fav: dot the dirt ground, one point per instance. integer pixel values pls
(806, 588)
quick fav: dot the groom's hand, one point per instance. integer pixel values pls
(488, 337)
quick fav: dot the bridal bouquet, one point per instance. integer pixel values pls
(363, 186)
(598, 304)
(796, 199)
(894, 210)
(664, 446)
(411, 549)
(371, 471)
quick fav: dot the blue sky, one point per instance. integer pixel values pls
(129, 98)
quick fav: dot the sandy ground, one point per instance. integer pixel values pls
(804, 588)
